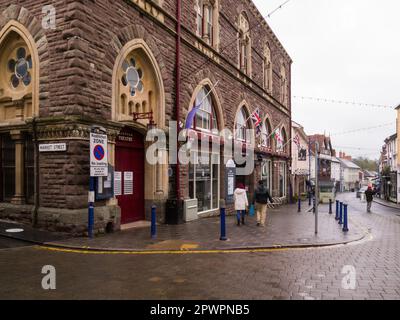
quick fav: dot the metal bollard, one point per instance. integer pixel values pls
(341, 214)
(337, 210)
(299, 205)
(153, 222)
(223, 222)
(330, 206)
(309, 199)
(346, 221)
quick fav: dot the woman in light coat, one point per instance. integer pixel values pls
(241, 203)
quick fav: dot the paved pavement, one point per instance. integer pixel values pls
(285, 228)
(309, 274)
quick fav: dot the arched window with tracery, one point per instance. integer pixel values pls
(206, 116)
(284, 86)
(244, 44)
(266, 140)
(243, 124)
(267, 69)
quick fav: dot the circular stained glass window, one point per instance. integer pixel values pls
(132, 76)
(21, 53)
(140, 73)
(125, 65)
(14, 81)
(11, 65)
(21, 69)
(27, 79)
(140, 86)
(29, 60)
(124, 81)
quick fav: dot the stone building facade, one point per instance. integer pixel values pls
(69, 65)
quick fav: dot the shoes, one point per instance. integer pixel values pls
(238, 223)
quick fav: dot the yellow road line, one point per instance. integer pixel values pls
(168, 252)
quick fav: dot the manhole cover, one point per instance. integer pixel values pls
(14, 230)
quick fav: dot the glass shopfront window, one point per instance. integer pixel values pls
(266, 174)
(204, 183)
(282, 179)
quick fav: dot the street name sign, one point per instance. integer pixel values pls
(98, 155)
(53, 147)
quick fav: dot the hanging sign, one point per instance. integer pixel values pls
(98, 155)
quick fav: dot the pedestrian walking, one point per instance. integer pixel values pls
(241, 203)
(369, 195)
(261, 197)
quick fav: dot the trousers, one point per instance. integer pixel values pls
(261, 213)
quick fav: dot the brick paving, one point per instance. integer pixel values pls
(285, 227)
(305, 274)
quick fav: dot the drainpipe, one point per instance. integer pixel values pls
(178, 90)
(36, 173)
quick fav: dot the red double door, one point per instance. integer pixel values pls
(129, 175)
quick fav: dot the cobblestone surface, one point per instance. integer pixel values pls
(304, 274)
(285, 227)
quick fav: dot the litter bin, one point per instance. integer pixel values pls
(174, 212)
(363, 198)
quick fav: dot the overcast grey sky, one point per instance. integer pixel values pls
(342, 50)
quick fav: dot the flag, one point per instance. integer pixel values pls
(191, 115)
(256, 118)
(277, 135)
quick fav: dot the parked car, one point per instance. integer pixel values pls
(361, 191)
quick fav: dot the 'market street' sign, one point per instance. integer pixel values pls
(98, 155)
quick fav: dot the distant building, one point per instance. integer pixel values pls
(350, 174)
(300, 160)
(388, 168)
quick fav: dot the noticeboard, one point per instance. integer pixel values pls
(104, 186)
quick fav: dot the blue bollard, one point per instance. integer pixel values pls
(299, 205)
(341, 214)
(345, 224)
(223, 223)
(330, 206)
(153, 222)
(91, 208)
(337, 210)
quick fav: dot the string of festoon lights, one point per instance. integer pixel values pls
(344, 102)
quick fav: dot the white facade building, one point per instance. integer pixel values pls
(350, 175)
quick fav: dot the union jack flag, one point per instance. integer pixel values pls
(256, 118)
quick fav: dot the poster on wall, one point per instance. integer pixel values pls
(118, 183)
(128, 183)
(302, 154)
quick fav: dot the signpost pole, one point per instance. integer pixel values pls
(91, 208)
(98, 160)
(316, 185)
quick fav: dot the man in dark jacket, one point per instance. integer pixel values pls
(369, 195)
(261, 197)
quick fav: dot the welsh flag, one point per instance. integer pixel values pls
(277, 135)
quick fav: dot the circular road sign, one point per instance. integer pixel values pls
(99, 152)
